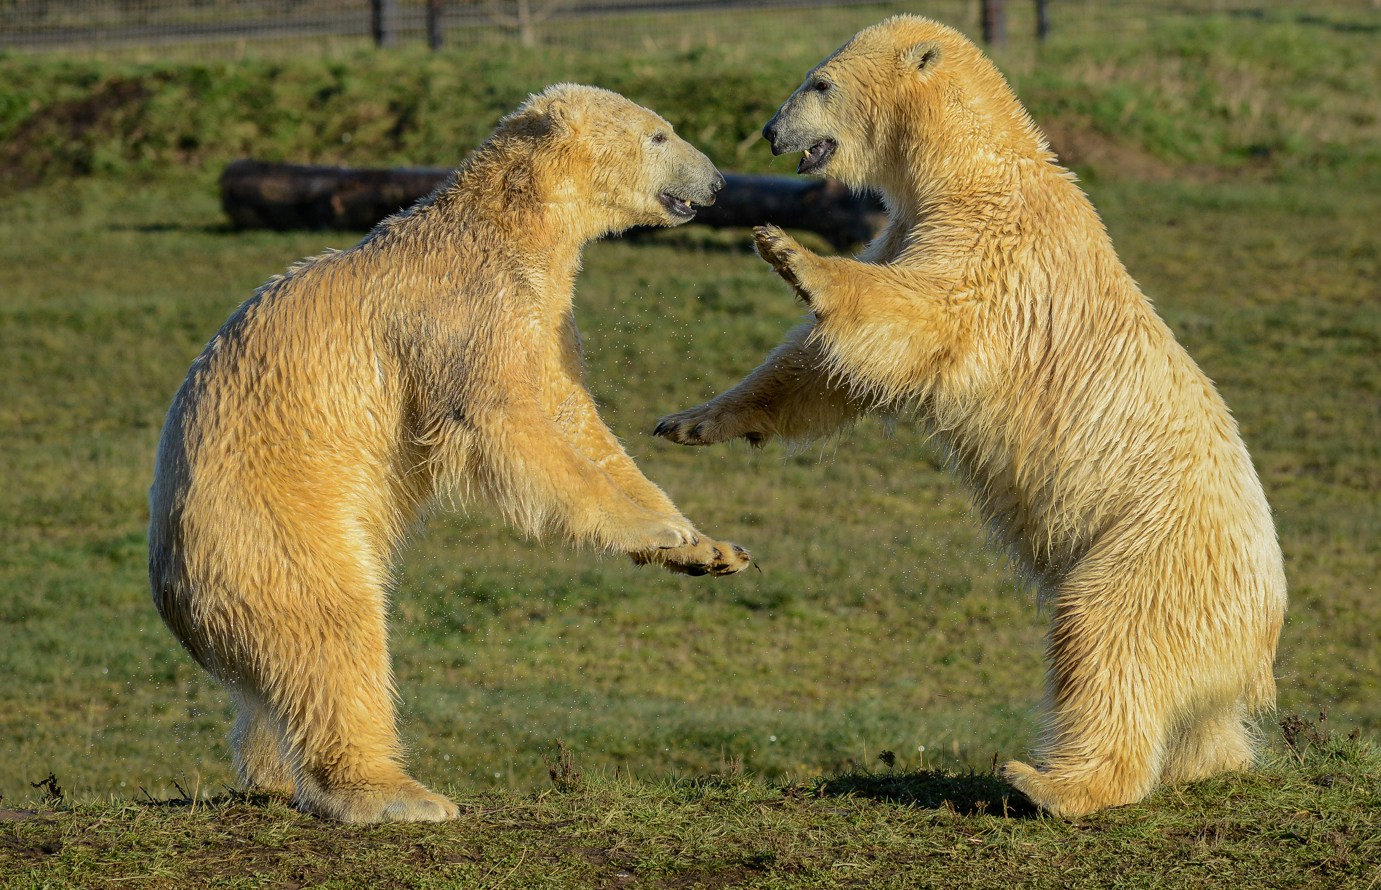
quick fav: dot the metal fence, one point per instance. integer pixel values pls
(322, 26)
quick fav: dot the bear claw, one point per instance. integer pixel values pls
(721, 559)
(780, 251)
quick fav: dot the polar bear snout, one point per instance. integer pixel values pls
(695, 187)
(779, 134)
(791, 129)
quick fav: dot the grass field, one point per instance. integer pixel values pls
(878, 621)
(1311, 823)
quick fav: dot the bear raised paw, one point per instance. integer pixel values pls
(437, 358)
(994, 308)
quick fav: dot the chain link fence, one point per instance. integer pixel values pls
(269, 27)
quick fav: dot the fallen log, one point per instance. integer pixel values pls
(258, 194)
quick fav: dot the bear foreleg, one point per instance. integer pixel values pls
(579, 420)
(791, 396)
(542, 483)
(885, 330)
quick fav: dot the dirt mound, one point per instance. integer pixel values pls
(64, 137)
(1080, 146)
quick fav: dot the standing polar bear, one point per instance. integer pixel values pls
(994, 306)
(439, 356)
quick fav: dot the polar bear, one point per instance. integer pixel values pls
(994, 307)
(437, 358)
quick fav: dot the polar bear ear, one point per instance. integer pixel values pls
(566, 117)
(531, 121)
(924, 56)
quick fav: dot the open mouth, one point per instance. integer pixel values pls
(678, 207)
(816, 156)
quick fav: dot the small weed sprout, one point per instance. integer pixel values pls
(565, 775)
(729, 766)
(888, 758)
(1307, 740)
(52, 791)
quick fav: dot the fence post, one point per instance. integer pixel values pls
(434, 11)
(1042, 19)
(525, 30)
(385, 22)
(995, 23)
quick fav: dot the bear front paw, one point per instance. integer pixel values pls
(705, 425)
(704, 558)
(784, 255)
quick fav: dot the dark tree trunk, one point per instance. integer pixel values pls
(256, 194)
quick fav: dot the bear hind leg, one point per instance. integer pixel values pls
(1106, 735)
(260, 757)
(1073, 786)
(341, 724)
(327, 703)
(1214, 742)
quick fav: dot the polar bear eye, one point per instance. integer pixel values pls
(821, 86)
(659, 138)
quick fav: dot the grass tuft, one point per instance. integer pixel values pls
(565, 775)
(1313, 743)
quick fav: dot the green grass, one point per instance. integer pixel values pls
(1287, 93)
(1314, 821)
(1281, 93)
(644, 667)
(878, 622)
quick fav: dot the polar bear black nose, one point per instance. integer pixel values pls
(718, 185)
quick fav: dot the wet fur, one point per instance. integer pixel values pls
(995, 309)
(437, 359)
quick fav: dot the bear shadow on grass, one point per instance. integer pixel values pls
(966, 794)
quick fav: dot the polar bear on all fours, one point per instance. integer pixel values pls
(437, 357)
(994, 307)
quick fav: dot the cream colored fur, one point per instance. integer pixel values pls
(438, 358)
(995, 308)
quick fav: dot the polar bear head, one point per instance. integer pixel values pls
(904, 99)
(609, 162)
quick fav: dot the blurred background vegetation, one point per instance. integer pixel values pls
(1232, 149)
(1267, 88)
